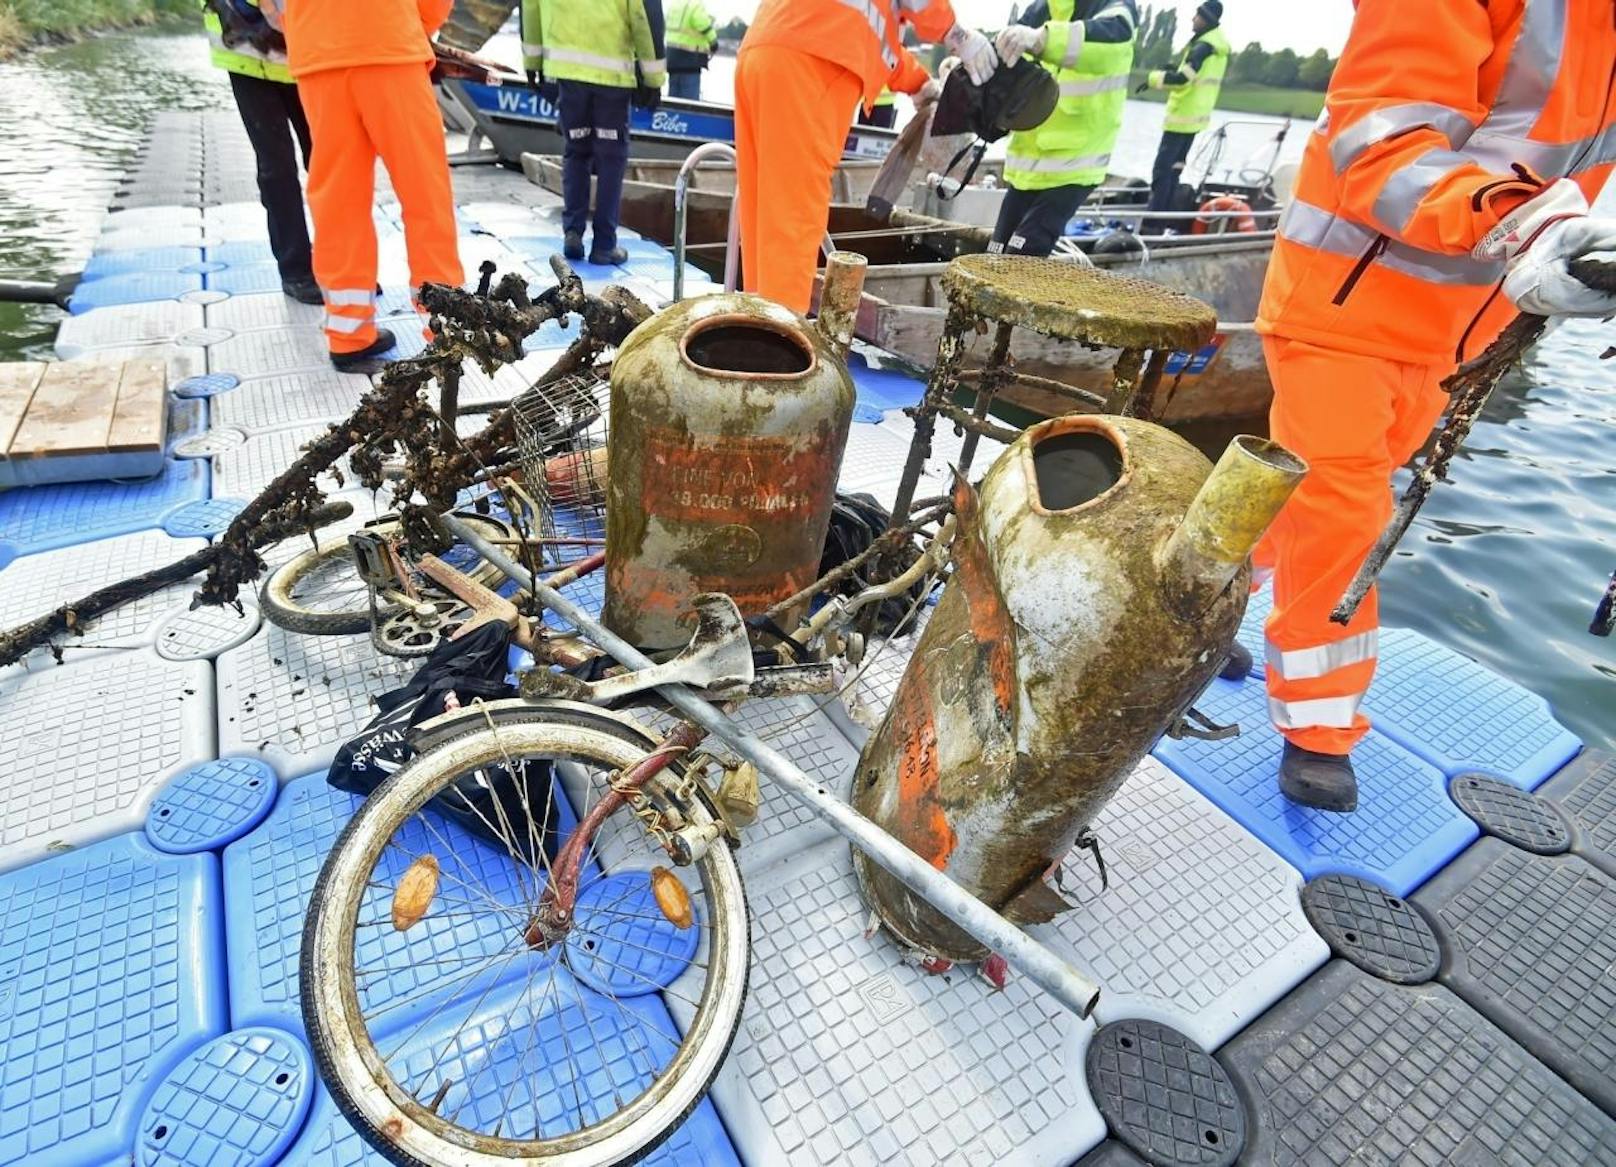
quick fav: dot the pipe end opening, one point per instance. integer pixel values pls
(1269, 453)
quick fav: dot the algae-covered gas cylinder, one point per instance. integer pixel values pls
(729, 416)
(1099, 579)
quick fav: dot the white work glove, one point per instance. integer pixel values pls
(926, 96)
(975, 52)
(1538, 240)
(1018, 40)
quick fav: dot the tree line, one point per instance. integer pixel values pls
(1157, 48)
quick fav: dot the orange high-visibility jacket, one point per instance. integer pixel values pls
(344, 34)
(863, 36)
(1411, 163)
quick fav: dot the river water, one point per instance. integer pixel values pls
(1506, 564)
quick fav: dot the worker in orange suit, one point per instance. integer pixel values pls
(803, 69)
(1445, 188)
(362, 69)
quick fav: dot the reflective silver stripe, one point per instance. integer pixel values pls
(1092, 86)
(1394, 120)
(350, 297)
(1074, 45)
(1118, 9)
(345, 323)
(1036, 165)
(1187, 69)
(914, 5)
(1534, 65)
(1301, 664)
(587, 60)
(654, 66)
(1259, 577)
(1313, 227)
(1330, 712)
(877, 21)
(1404, 191)
(532, 50)
(1501, 138)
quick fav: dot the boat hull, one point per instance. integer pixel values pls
(904, 310)
(518, 119)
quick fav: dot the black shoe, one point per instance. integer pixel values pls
(1237, 665)
(611, 258)
(367, 359)
(303, 291)
(572, 247)
(1322, 781)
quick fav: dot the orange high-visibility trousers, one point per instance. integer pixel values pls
(792, 114)
(1355, 419)
(358, 115)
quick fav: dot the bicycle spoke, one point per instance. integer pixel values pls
(643, 979)
(452, 852)
(507, 955)
(522, 1073)
(451, 1041)
(589, 952)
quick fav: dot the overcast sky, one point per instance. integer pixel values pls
(1303, 25)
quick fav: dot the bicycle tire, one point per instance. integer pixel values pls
(389, 1131)
(277, 601)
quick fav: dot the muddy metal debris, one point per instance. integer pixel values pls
(1099, 579)
(729, 420)
(398, 417)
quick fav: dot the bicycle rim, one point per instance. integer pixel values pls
(578, 1065)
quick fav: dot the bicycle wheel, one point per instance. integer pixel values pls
(321, 593)
(453, 1040)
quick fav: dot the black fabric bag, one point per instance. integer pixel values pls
(856, 521)
(490, 803)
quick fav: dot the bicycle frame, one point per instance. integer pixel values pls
(1044, 967)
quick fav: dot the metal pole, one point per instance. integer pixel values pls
(681, 196)
(1047, 970)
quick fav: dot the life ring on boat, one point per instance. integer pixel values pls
(1238, 217)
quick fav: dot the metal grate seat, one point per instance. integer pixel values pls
(1062, 299)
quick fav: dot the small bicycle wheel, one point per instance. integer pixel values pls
(320, 592)
(443, 1032)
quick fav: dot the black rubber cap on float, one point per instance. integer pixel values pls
(1516, 816)
(1375, 929)
(1164, 1097)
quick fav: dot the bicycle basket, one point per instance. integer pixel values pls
(561, 445)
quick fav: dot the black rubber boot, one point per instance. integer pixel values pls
(572, 247)
(1322, 781)
(303, 291)
(1237, 666)
(609, 258)
(367, 359)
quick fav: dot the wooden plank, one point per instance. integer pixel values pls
(70, 413)
(140, 420)
(17, 385)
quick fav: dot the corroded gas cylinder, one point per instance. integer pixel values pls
(1100, 577)
(729, 418)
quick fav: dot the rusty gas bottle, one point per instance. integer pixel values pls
(729, 418)
(1099, 580)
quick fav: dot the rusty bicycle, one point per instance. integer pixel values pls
(585, 921)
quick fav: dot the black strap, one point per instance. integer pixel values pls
(979, 148)
(1089, 841)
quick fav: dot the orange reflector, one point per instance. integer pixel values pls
(672, 897)
(413, 895)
